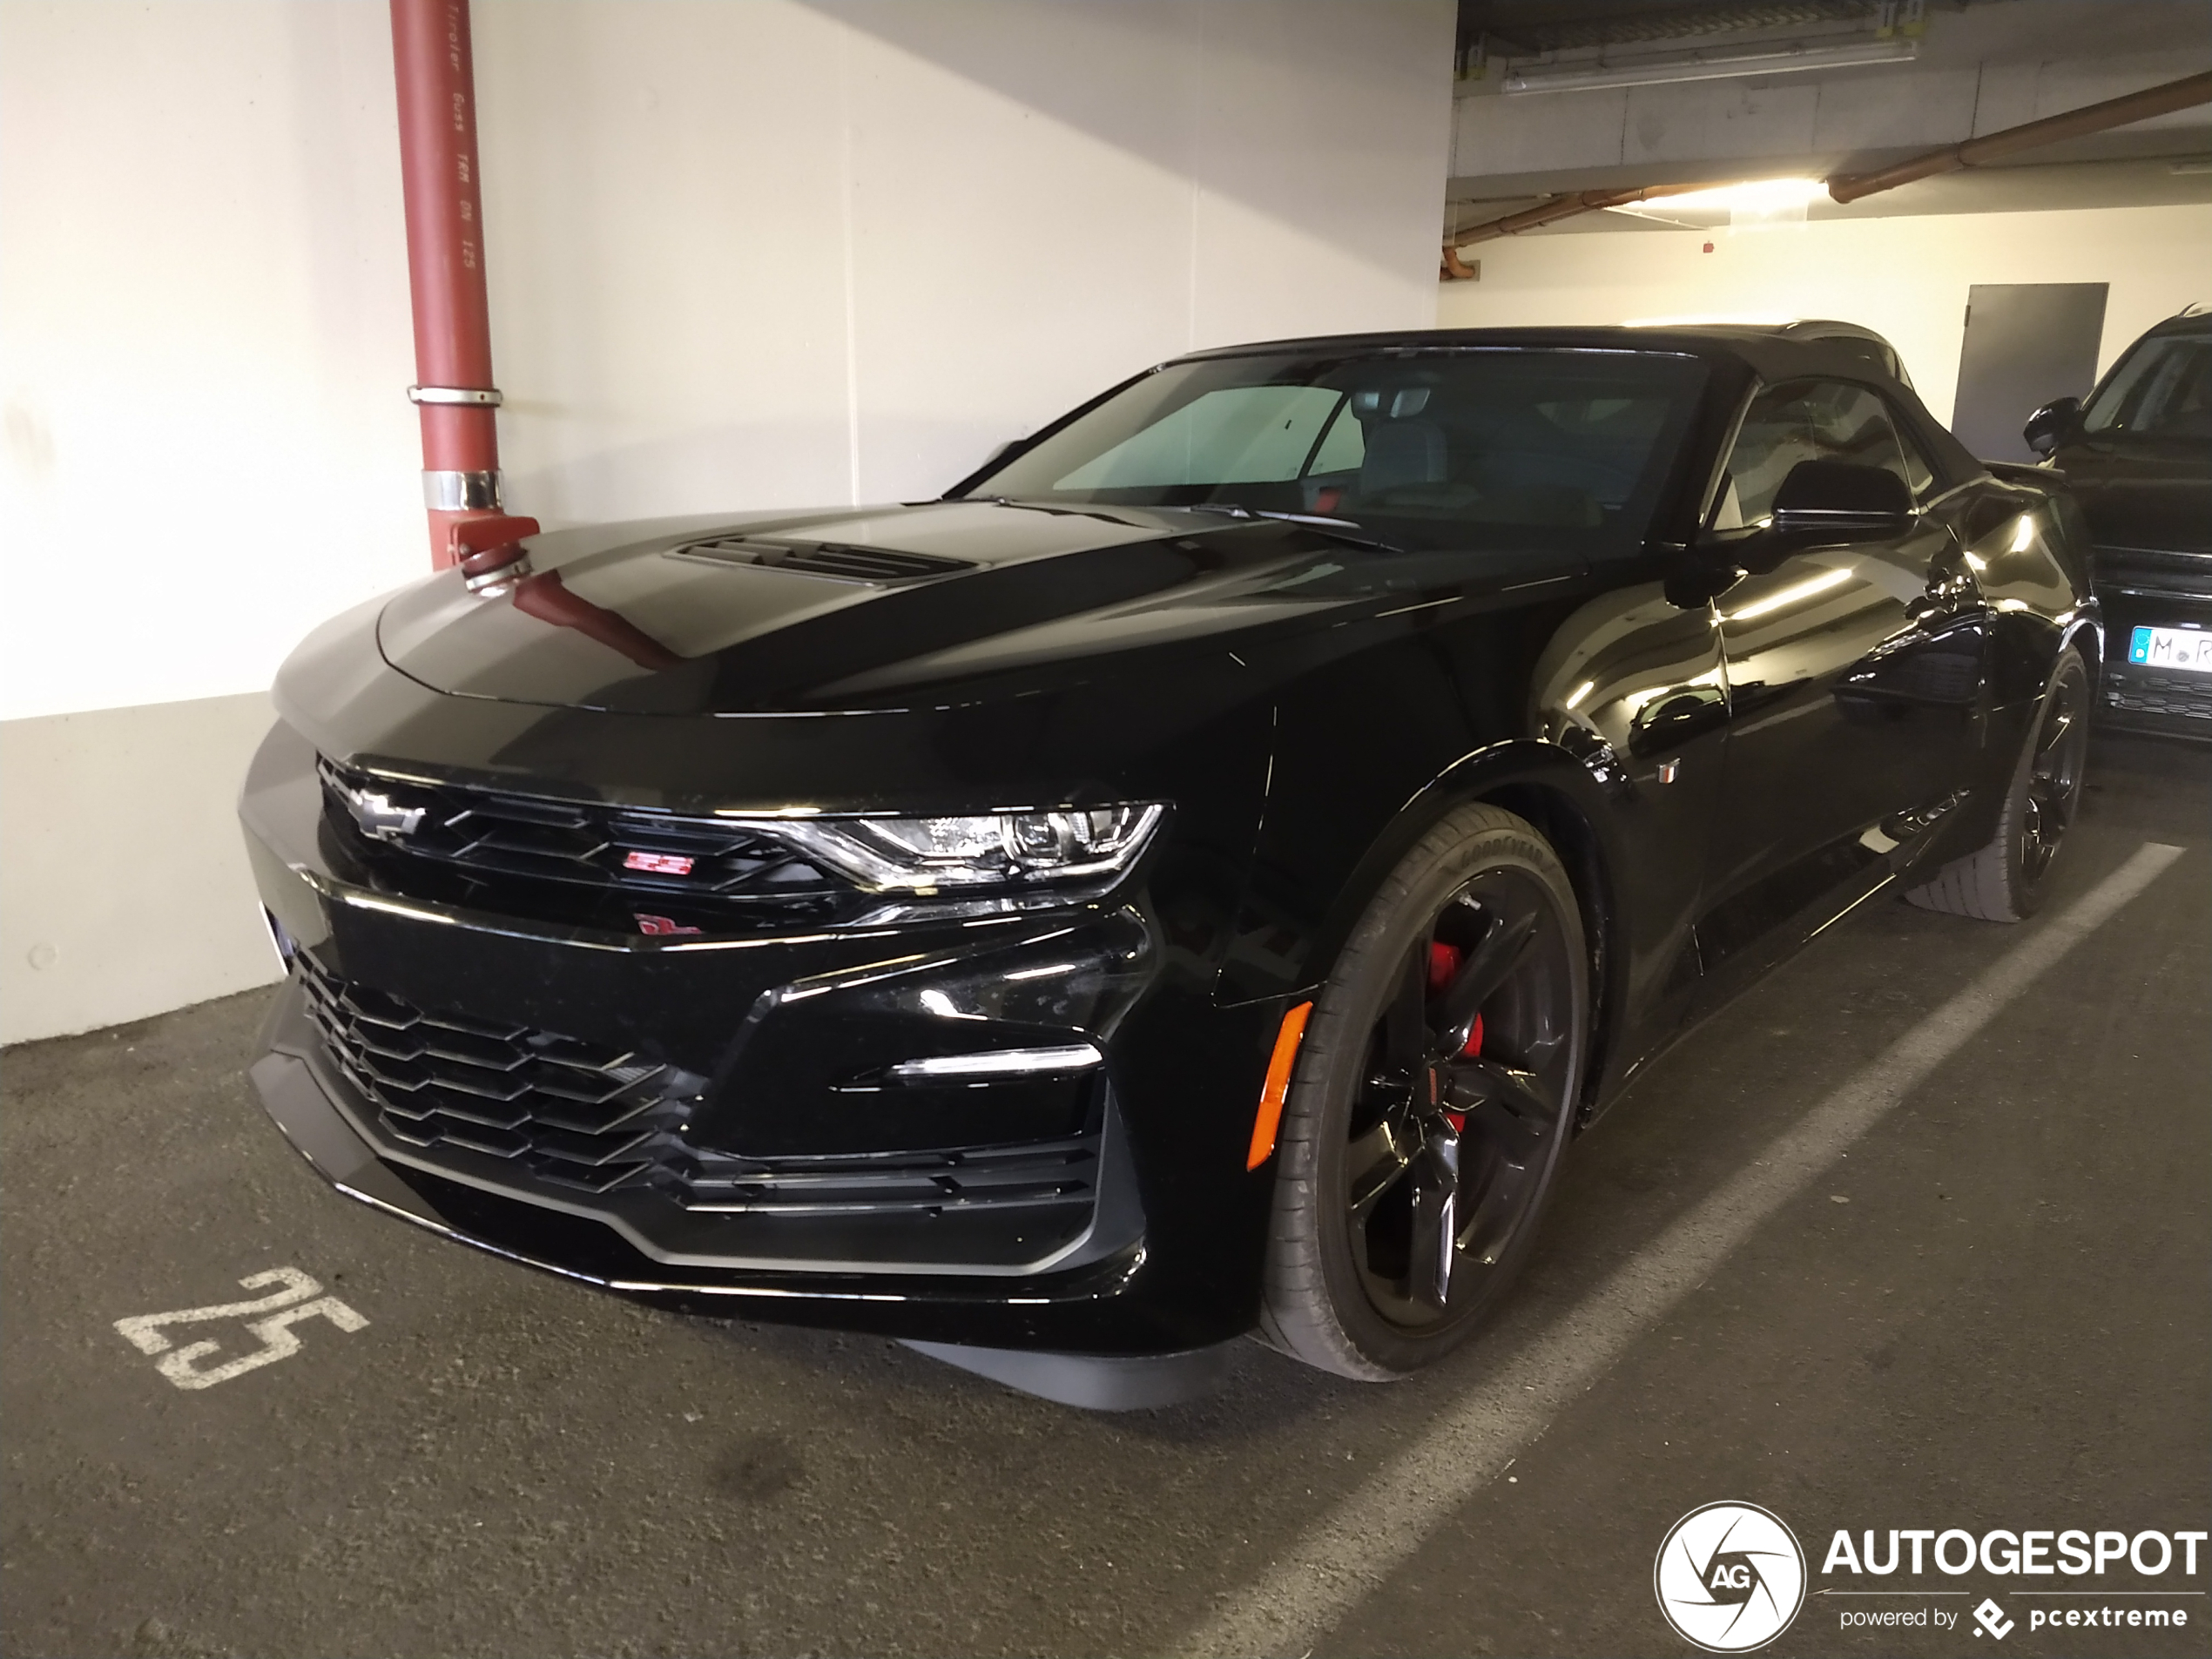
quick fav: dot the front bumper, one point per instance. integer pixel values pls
(2157, 591)
(1149, 1243)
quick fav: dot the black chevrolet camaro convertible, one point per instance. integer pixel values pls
(1192, 879)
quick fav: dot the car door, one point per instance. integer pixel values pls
(1854, 672)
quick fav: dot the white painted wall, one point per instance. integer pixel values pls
(203, 339)
(1905, 277)
(124, 885)
(760, 254)
(756, 253)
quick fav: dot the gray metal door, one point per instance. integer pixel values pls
(2026, 343)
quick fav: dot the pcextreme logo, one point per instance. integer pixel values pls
(1729, 1577)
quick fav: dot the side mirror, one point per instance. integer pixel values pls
(1711, 571)
(2052, 425)
(1841, 498)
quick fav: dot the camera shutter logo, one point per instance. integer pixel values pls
(1729, 1577)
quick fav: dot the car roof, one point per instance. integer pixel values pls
(1830, 329)
(1769, 350)
(1792, 328)
(2195, 321)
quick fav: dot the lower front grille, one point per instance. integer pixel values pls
(594, 1118)
(579, 1114)
(2167, 694)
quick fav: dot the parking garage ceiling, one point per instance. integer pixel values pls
(1553, 98)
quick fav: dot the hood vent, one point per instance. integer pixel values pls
(831, 559)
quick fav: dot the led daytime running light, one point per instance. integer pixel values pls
(999, 1063)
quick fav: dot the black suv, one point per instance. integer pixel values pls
(2138, 456)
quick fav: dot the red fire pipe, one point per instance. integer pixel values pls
(445, 265)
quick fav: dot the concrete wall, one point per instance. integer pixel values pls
(1905, 277)
(753, 254)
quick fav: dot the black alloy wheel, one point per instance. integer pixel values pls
(2003, 881)
(1434, 1094)
(2054, 770)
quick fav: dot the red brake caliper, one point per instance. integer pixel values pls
(1443, 965)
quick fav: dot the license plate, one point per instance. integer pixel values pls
(2187, 649)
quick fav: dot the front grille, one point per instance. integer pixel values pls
(591, 1118)
(2139, 693)
(986, 1177)
(585, 843)
(579, 1114)
(824, 558)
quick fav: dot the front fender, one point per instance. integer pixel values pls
(1295, 919)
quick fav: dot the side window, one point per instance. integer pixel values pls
(1776, 434)
(1808, 421)
(1850, 424)
(1919, 476)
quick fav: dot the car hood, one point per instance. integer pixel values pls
(2155, 496)
(930, 605)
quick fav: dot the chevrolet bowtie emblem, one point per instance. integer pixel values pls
(379, 816)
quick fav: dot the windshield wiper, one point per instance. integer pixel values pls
(1338, 529)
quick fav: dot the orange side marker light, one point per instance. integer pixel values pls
(1278, 1087)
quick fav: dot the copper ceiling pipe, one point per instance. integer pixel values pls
(445, 264)
(2094, 118)
(1586, 201)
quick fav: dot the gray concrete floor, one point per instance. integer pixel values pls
(2006, 1325)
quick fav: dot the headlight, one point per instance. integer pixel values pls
(985, 849)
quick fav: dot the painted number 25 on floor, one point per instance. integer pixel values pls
(299, 1299)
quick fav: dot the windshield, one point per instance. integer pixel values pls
(1487, 446)
(2163, 390)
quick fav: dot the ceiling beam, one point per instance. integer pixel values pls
(2162, 99)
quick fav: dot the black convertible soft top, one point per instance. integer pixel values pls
(1771, 354)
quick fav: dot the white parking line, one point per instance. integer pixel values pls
(1351, 1551)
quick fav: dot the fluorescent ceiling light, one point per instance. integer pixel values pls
(1753, 196)
(1704, 66)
